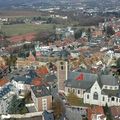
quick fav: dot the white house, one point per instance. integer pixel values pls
(6, 94)
(23, 82)
(103, 91)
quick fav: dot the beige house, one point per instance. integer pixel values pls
(42, 98)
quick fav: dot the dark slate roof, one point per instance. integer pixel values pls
(87, 82)
(109, 80)
(41, 91)
(23, 79)
(50, 78)
(64, 53)
(48, 116)
(6, 89)
(111, 92)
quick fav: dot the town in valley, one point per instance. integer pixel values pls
(60, 60)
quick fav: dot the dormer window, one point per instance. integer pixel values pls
(111, 88)
(105, 87)
(116, 88)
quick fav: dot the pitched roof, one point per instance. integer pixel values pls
(111, 92)
(96, 110)
(3, 81)
(50, 78)
(115, 111)
(6, 89)
(86, 83)
(37, 81)
(109, 80)
(42, 70)
(48, 116)
(25, 79)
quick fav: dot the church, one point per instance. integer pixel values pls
(95, 89)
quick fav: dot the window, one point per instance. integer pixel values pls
(95, 96)
(87, 96)
(116, 99)
(44, 104)
(116, 88)
(61, 63)
(103, 98)
(61, 67)
(78, 91)
(73, 90)
(111, 88)
(68, 89)
(113, 99)
(105, 87)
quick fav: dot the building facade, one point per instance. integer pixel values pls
(41, 97)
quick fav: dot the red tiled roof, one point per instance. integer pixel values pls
(118, 34)
(3, 81)
(94, 110)
(37, 81)
(42, 70)
(19, 38)
(31, 57)
(115, 110)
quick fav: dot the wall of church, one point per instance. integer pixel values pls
(108, 87)
(95, 97)
(79, 92)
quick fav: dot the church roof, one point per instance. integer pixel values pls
(80, 80)
(109, 80)
(110, 92)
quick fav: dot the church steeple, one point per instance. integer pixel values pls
(62, 74)
(31, 56)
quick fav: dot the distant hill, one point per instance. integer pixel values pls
(10, 3)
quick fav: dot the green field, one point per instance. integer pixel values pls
(18, 29)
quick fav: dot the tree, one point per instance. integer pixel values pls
(118, 62)
(78, 34)
(17, 106)
(10, 61)
(89, 34)
(27, 97)
(107, 112)
(58, 109)
(109, 31)
(43, 37)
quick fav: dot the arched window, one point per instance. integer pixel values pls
(103, 98)
(95, 96)
(87, 96)
(113, 99)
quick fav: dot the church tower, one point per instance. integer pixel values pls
(62, 74)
